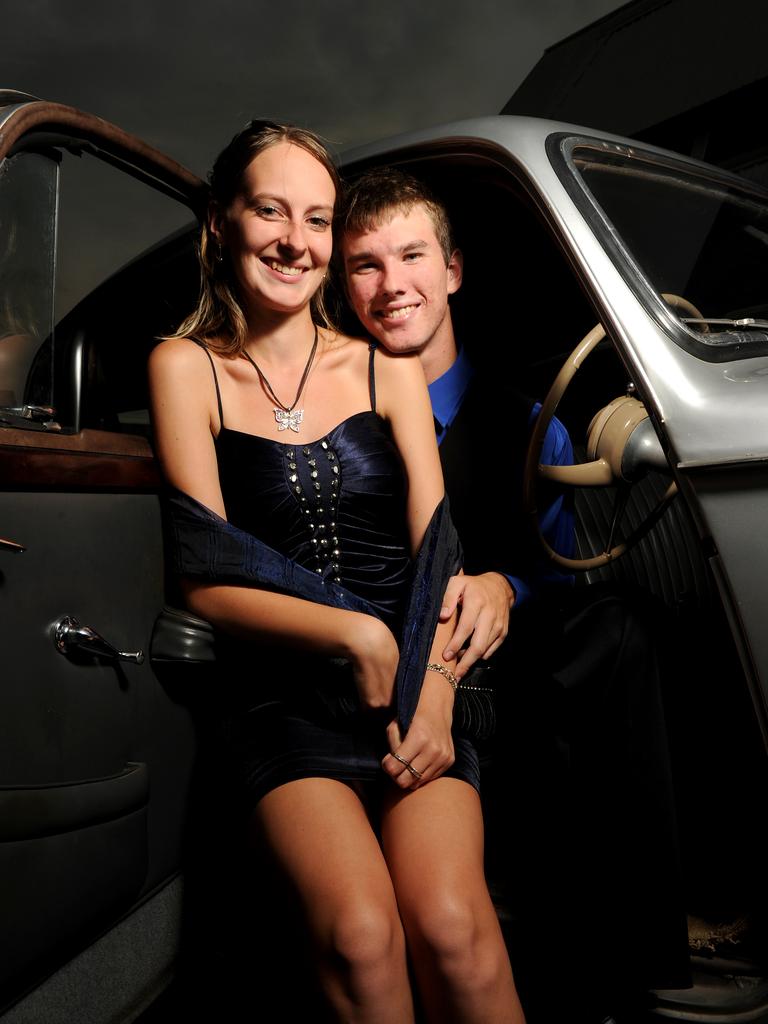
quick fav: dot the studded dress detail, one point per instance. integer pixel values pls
(337, 506)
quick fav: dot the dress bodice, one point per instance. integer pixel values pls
(335, 505)
(330, 526)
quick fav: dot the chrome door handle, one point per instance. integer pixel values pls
(11, 545)
(69, 636)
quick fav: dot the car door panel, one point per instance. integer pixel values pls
(84, 742)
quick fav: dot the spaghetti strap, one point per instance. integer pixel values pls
(372, 346)
(215, 381)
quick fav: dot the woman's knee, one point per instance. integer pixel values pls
(459, 936)
(366, 940)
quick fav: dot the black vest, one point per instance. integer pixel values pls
(483, 454)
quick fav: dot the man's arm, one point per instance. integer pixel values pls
(556, 520)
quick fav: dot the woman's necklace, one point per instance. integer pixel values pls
(288, 416)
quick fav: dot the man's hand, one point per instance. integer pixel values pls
(485, 602)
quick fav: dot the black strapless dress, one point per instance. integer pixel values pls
(336, 506)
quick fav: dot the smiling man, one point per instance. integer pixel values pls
(580, 790)
(401, 266)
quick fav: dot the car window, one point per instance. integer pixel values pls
(117, 325)
(106, 218)
(682, 232)
(70, 340)
(114, 292)
(28, 198)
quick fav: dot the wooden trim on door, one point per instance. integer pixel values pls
(91, 460)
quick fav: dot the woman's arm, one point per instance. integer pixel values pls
(184, 419)
(284, 621)
(404, 401)
(185, 416)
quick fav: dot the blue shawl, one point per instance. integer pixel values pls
(204, 546)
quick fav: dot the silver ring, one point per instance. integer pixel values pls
(414, 771)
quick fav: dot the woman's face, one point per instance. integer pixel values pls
(277, 232)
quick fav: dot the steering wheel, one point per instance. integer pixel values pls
(621, 446)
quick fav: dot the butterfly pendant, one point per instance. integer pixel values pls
(289, 420)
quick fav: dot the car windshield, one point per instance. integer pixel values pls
(691, 236)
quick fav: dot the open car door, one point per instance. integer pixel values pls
(95, 757)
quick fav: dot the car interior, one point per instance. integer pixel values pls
(718, 754)
(521, 311)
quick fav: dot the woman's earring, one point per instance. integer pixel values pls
(219, 254)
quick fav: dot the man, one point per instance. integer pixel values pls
(576, 669)
(400, 274)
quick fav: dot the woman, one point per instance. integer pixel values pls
(326, 452)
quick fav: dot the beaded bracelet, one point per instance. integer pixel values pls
(434, 666)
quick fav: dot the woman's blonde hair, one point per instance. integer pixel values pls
(219, 319)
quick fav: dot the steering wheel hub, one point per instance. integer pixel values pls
(610, 433)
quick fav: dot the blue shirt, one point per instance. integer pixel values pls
(446, 394)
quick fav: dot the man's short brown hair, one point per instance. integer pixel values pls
(378, 195)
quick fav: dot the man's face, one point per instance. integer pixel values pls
(398, 282)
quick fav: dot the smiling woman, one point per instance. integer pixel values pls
(292, 222)
(338, 745)
(219, 309)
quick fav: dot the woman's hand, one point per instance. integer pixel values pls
(374, 656)
(428, 747)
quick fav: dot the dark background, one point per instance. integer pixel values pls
(185, 76)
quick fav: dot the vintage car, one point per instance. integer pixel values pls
(563, 229)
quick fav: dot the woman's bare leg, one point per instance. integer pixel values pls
(433, 842)
(318, 831)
